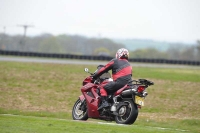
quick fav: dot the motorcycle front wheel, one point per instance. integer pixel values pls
(78, 113)
(127, 113)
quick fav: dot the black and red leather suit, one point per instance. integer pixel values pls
(121, 74)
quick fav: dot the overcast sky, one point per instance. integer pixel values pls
(163, 20)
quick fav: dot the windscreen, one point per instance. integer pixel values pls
(105, 75)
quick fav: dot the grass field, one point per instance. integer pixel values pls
(48, 92)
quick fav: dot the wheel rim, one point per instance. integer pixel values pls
(124, 112)
(78, 113)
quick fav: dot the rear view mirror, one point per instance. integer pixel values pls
(86, 70)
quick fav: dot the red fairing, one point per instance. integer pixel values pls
(125, 71)
(120, 90)
(87, 87)
(81, 97)
(87, 80)
(92, 100)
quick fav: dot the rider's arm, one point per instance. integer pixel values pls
(104, 69)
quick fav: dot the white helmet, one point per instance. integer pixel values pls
(122, 53)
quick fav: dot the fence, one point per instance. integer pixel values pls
(103, 58)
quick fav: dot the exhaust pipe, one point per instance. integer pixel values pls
(129, 91)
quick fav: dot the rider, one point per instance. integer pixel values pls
(121, 74)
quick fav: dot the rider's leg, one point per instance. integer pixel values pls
(109, 87)
(103, 98)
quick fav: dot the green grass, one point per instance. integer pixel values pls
(171, 74)
(22, 124)
(49, 91)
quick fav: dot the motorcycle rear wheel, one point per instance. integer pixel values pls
(77, 113)
(127, 113)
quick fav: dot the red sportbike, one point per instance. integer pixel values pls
(124, 103)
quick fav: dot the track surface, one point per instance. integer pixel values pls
(88, 62)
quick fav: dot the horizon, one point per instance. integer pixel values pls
(114, 39)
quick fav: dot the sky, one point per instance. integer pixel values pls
(161, 20)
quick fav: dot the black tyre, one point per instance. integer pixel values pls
(77, 113)
(127, 113)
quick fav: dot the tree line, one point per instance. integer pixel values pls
(80, 45)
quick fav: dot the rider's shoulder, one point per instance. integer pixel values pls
(114, 60)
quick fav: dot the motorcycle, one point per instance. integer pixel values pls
(124, 103)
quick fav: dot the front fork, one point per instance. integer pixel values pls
(83, 106)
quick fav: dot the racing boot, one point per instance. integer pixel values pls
(104, 103)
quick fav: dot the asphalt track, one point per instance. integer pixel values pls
(88, 62)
